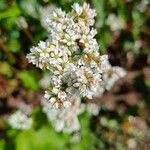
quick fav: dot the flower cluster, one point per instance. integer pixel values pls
(115, 23)
(64, 119)
(20, 120)
(71, 54)
(111, 75)
(76, 68)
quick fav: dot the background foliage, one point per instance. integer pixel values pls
(124, 119)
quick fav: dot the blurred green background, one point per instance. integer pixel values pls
(123, 34)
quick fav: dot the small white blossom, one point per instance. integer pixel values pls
(19, 120)
(115, 22)
(142, 5)
(84, 14)
(132, 144)
(48, 56)
(58, 99)
(76, 137)
(45, 81)
(112, 75)
(45, 12)
(83, 81)
(93, 109)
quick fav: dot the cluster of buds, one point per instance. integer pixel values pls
(71, 54)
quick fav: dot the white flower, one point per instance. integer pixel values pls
(45, 81)
(77, 8)
(89, 44)
(71, 55)
(57, 98)
(104, 63)
(142, 5)
(76, 137)
(62, 95)
(82, 81)
(19, 120)
(115, 23)
(93, 109)
(48, 55)
(64, 119)
(112, 75)
(84, 14)
(45, 13)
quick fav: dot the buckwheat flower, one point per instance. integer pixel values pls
(89, 44)
(55, 80)
(83, 82)
(57, 22)
(64, 32)
(83, 15)
(115, 23)
(65, 119)
(104, 63)
(76, 137)
(112, 75)
(19, 120)
(25, 108)
(71, 55)
(48, 55)
(142, 5)
(93, 109)
(45, 13)
(39, 55)
(57, 98)
(45, 81)
(57, 16)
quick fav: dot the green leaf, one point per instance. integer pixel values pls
(25, 141)
(113, 3)
(11, 12)
(29, 80)
(43, 139)
(2, 5)
(14, 45)
(40, 117)
(99, 5)
(2, 144)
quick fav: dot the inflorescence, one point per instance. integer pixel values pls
(76, 69)
(71, 54)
